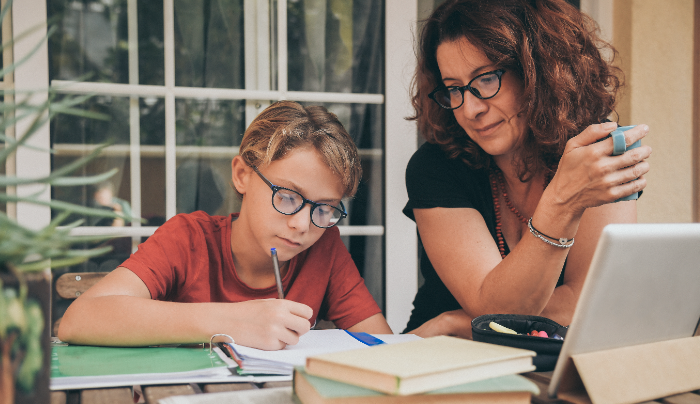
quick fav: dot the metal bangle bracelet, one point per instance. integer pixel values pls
(561, 242)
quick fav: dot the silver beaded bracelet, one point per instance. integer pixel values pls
(561, 242)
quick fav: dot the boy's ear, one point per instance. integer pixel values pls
(240, 174)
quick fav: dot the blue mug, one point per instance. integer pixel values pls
(619, 147)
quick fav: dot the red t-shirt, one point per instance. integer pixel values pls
(188, 259)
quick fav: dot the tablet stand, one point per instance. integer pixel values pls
(633, 374)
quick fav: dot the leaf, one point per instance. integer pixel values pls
(15, 312)
(30, 366)
(12, 148)
(31, 339)
(64, 262)
(3, 313)
(20, 62)
(28, 249)
(65, 206)
(56, 180)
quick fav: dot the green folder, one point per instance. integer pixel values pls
(78, 360)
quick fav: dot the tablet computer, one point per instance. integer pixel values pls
(643, 286)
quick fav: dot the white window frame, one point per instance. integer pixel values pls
(32, 75)
(400, 142)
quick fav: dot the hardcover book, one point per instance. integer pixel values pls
(421, 365)
(509, 389)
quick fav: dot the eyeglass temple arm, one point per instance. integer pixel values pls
(265, 180)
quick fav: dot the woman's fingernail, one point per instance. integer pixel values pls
(645, 128)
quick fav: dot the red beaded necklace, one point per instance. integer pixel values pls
(498, 184)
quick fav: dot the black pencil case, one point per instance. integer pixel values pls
(547, 349)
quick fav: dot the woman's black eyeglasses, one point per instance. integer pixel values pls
(483, 86)
(289, 202)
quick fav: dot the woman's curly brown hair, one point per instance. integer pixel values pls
(550, 45)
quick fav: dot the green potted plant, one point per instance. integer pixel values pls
(26, 254)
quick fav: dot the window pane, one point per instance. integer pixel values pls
(209, 122)
(91, 42)
(336, 46)
(208, 135)
(73, 137)
(70, 129)
(209, 43)
(368, 254)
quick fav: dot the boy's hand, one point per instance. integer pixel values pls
(268, 324)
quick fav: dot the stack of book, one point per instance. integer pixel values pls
(436, 370)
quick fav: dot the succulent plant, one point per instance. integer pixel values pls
(25, 250)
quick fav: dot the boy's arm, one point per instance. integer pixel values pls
(119, 311)
(375, 324)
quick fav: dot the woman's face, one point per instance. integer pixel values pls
(494, 124)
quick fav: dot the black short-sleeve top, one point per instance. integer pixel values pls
(433, 180)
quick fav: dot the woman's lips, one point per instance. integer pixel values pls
(488, 129)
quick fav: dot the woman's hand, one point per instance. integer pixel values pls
(589, 175)
(455, 323)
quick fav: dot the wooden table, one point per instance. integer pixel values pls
(151, 394)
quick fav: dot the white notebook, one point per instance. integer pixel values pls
(315, 342)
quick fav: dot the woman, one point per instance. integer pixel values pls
(513, 98)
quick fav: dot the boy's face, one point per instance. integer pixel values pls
(302, 171)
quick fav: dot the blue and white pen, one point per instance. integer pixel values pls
(278, 277)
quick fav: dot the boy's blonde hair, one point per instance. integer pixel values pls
(285, 126)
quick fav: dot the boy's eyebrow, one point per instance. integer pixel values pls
(294, 187)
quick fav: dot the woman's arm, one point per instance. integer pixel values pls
(463, 253)
(454, 322)
(562, 302)
(461, 249)
(118, 311)
(561, 305)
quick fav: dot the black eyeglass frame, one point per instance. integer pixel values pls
(469, 87)
(314, 205)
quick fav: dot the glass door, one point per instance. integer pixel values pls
(180, 80)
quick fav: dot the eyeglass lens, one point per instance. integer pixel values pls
(483, 86)
(288, 202)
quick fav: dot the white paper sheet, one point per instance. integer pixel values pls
(315, 342)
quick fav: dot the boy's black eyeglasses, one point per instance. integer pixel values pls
(484, 86)
(289, 202)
